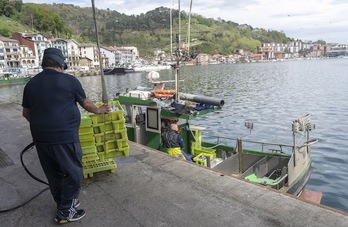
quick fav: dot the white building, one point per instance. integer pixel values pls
(41, 43)
(108, 54)
(3, 63)
(73, 60)
(27, 58)
(11, 52)
(90, 51)
(126, 55)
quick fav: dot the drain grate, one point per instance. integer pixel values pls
(4, 159)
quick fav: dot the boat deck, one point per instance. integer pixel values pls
(148, 188)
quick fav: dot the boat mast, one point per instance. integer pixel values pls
(171, 33)
(104, 93)
(189, 29)
(178, 58)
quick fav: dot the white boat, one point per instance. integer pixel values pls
(149, 68)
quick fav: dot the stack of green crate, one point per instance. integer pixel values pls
(110, 133)
(90, 159)
(103, 137)
(89, 150)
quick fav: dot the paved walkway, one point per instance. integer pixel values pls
(149, 188)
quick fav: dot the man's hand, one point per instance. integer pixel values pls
(88, 105)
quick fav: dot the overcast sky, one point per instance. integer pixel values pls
(298, 19)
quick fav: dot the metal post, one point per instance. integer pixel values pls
(240, 154)
(105, 98)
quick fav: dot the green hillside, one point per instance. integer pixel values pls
(146, 31)
(8, 26)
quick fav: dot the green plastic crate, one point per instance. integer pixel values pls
(86, 137)
(103, 127)
(85, 129)
(89, 150)
(91, 167)
(85, 120)
(103, 137)
(205, 150)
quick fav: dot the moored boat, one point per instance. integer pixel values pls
(285, 167)
(12, 77)
(149, 68)
(149, 112)
(118, 70)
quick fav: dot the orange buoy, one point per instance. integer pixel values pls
(163, 93)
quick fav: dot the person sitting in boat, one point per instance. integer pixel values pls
(174, 142)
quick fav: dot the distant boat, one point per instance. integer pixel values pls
(118, 70)
(149, 68)
(12, 77)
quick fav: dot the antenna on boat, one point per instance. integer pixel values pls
(189, 29)
(249, 125)
(104, 93)
(303, 126)
(171, 32)
(178, 58)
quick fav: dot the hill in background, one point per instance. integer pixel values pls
(145, 31)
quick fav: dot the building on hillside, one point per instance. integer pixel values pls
(202, 59)
(257, 57)
(73, 57)
(108, 57)
(11, 52)
(35, 41)
(27, 57)
(3, 63)
(61, 44)
(85, 63)
(126, 55)
(111, 58)
(89, 51)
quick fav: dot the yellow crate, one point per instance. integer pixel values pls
(89, 150)
(119, 124)
(112, 146)
(206, 150)
(114, 153)
(200, 159)
(86, 137)
(103, 127)
(85, 120)
(87, 143)
(90, 157)
(100, 118)
(91, 167)
(85, 129)
(122, 143)
(103, 137)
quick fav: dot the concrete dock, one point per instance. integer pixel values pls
(148, 188)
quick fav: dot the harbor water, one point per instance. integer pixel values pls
(271, 95)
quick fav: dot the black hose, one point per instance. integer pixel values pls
(29, 147)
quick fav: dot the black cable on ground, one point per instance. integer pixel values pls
(29, 147)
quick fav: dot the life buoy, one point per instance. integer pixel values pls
(163, 93)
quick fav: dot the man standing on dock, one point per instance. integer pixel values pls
(50, 105)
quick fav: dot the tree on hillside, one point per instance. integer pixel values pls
(43, 19)
(9, 8)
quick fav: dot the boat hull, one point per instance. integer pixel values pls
(119, 70)
(16, 81)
